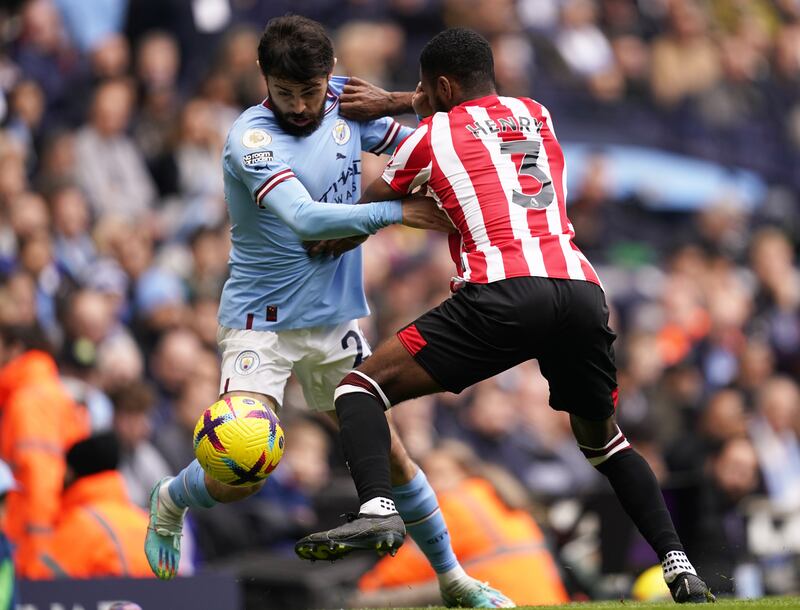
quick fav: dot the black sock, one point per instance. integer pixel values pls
(366, 443)
(638, 492)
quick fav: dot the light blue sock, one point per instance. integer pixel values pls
(188, 489)
(417, 504)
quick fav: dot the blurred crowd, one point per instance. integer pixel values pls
(114, 246)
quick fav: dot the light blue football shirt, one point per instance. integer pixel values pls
(273, 283)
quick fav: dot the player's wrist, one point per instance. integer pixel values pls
(399, 102)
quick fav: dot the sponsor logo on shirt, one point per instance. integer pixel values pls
(344, 188)
(257, 158)
(256, 138)
(341, 132)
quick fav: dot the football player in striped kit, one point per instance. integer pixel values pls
(524, 291)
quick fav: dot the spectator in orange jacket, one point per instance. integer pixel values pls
(39, 422)
(100, 532)
(497, 542)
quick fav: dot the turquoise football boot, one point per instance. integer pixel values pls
(476, 594)
(162, 545)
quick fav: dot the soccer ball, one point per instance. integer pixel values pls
(238, 441)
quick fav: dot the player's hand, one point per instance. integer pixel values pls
(421, 103)
(424, 213)
(333, 247)
(363, 101)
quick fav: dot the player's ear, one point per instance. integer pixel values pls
(444, 88)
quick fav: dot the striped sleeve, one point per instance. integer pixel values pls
(253, 156)
(270, 183)
(410, 166)
(381, 135)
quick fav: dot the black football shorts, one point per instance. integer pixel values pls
(484, 329)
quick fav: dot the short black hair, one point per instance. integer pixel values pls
(295, 48)
(462, 54)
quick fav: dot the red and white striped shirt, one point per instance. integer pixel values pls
(497, 170)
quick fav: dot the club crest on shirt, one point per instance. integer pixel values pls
(256, 138)
(246, 362)
(341, 132)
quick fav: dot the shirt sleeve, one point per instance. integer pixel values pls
(410, 166)
(254, 159)
(382, 136)
(291, 202)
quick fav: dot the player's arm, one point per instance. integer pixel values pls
(273, 186)
(408, 170)
(425, 212)
(383, 135)
(363, 101)
(379, 136)
(291, 202)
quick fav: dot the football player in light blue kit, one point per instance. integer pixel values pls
(292, 173)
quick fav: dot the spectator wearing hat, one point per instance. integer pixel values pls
(7, 584)
(100, 532)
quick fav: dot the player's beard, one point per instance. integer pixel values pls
(300, 131)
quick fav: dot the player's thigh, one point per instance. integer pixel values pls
(398, 374)
(579, 363)
(330, 353)
(254, 362)
(456, 344)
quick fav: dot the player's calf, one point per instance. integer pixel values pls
(638, 491)
(366, 440)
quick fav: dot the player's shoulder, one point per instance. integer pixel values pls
(254, 128)
(426, 123)
(535, 107)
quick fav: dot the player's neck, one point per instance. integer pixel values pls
(474, 94)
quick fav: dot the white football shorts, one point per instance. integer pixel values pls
(261, 361)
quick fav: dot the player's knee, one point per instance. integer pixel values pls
(599, 455)
(357, 382)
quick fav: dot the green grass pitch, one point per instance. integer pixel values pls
(767, 603)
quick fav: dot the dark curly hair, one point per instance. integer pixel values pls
(461, 54)
(295, 48)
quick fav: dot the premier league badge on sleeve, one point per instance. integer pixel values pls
(256, 138)
(341, 132)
